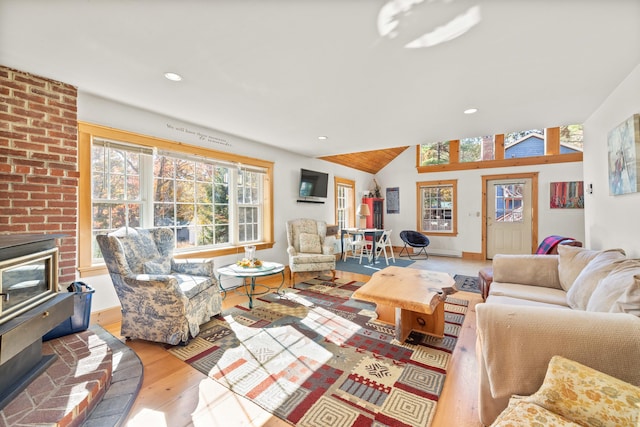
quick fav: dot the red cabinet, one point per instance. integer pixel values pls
(376, 219)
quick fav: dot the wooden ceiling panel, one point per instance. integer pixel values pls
(366, 161)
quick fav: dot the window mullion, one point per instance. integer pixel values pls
(146, 191)
(234, 219)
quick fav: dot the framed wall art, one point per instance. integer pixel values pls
(623, 145)
(393, 200)
(567, 195)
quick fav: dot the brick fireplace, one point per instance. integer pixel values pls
(39, 161)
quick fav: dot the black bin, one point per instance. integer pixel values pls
(79, 321)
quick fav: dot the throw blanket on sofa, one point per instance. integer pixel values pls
(549, 243)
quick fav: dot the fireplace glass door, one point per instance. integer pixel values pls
(27, 281)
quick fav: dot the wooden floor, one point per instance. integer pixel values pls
(174, 395)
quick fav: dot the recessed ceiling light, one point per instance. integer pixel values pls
(173, 77)
(322, 138)
(471, 111)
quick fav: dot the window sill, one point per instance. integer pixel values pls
(438, 233)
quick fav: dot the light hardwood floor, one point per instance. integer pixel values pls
(174, 395)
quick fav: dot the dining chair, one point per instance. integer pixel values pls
(355, 241)
(365, 249)
(383, 244)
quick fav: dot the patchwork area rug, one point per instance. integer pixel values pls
(467, 283)
(315, 357)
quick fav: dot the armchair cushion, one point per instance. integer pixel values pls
(310, 243)
(157, 265)
(138, 246)
(192, 285)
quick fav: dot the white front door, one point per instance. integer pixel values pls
(509, 207)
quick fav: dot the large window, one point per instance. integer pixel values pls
(213, 204)
(437, 210)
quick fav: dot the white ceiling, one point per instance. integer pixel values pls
(285, 72)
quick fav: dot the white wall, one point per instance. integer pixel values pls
(401, 172)
(610, 221)
(287, 166)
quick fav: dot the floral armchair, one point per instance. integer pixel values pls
(163, 299)
(307, 250)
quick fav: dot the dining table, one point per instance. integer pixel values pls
(373, 233)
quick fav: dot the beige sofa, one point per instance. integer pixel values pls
(580, 304)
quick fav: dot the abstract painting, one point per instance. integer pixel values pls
(624, 155)
(567, 195)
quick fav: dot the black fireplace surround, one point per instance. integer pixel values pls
(30, 307)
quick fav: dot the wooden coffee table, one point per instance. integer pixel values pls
(408, 298)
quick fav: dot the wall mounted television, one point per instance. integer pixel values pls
(313, 184)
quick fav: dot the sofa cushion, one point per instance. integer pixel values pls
(499, 299)
(586, 396)
(310, 243)
(621, 284)
(535, 270)
(571, 261)
(521, 413)
(597, 269)
(526, 292)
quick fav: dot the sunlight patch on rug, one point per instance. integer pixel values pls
(313, 356)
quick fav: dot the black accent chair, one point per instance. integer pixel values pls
(414, 239)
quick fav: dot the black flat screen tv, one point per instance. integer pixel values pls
(313, 184)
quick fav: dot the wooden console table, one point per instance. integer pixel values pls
(408, 298)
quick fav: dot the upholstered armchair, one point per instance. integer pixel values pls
(163, 299)
(307, 250)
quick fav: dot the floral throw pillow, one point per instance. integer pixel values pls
(520, 413)
(586, 396)
(310, 243)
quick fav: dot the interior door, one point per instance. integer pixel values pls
(509, 210)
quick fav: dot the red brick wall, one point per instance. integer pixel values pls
(39, 161)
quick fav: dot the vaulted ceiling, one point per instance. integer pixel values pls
(368, 75)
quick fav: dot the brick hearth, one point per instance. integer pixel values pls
(94, 381)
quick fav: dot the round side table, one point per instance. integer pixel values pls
(252, 273)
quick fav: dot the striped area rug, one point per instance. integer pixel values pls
(316, 357)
